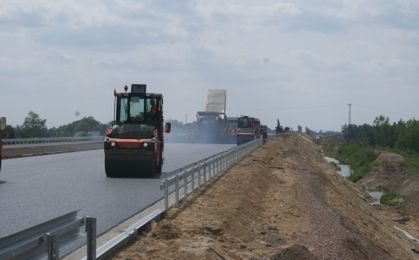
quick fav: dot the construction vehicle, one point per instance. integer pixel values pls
(211, 123)
(256, 126)
(248, 129)
(264, 132)
(211, 127)
(231, 130)
(2, 127)
(134, 145)
(278, 128)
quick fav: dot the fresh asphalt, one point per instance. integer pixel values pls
(36, 189)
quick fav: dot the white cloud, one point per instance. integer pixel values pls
(304, 59)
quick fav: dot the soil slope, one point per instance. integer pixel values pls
(280, 202)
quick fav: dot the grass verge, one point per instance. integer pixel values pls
(390, 199)
(359, 156)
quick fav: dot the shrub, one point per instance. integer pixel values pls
(390, 199)
(359, 156)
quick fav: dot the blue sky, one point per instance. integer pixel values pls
(299, 61)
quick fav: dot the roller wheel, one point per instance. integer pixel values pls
(156, 167)
(110, 169)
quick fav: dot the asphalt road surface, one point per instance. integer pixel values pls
(36, 189)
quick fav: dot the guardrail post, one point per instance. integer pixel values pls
(91, 238)
(166, 195)
(52, 247)
(185, 184)
(205, 172)
(193, 180)
(213, 166)
(177, 190)
(210, 176)
(199, 176)
(222, 163)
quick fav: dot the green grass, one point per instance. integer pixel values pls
(331, 148)
(411, 161)
(390, 199)
(359, 156)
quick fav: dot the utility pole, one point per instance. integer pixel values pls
(349, 122)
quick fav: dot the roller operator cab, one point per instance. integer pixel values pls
(134, 145)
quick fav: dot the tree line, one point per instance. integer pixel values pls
(403, 135)
(35, 127)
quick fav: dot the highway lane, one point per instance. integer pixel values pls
(36, 189)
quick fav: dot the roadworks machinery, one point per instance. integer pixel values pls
(134, 145)
(248, 129)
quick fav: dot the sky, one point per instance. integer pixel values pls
(301, 62)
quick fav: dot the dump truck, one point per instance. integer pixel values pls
(134, 145)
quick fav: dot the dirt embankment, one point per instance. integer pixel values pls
(389, 175)
(281, 202)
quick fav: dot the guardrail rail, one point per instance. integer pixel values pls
(198, 173)
(30, 141)
(45, 240)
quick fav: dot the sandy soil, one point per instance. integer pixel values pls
(388, 175)
(280, 202)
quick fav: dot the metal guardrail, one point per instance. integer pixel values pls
(29, 141)
(194, 175)
(45, 240)
(198, 173)
(105, 250)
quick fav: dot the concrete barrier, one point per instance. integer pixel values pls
(25, 151)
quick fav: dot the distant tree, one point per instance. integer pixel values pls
(82, 127)
(7, 133)
(33, 126)
(385, 134)
(401, 135)
(409, 136)
(353, 132)
(52, 132)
